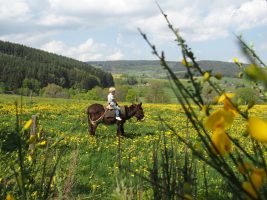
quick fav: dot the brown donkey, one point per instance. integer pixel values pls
(97, 113)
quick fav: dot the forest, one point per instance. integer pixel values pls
(25, 67)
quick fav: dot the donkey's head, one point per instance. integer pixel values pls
(138, 111)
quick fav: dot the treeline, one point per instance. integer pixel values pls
(21, 66)
(153, 69)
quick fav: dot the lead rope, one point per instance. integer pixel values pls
(101, 117)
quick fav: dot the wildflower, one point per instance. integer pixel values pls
(257, 177)
(221, 141)
(250, 189)
(184, 62)
(10, 197)
(206, 76)
(235, 59)
(34, 194)
(43, 143)
(27, 125)
(257, 128)
(224, 96)
(219, 118)
(32, 139)
(29, 157)
(188, 197)
(228, 105)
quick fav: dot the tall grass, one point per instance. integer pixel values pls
(242, 169)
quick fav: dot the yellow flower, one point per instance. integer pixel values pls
(221, 141)
(249, 188)
(259, 171)
(235, 59)
(43, 143)
(9, 197)
(29, 157)
(188, 197)
(27, 125)
(219, 118)
(225, 98)
(244, 168)
(257, 128)
(206, 76)
(32, 139)
(257, 177)
(184, 62)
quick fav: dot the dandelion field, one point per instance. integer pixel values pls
(110, 167)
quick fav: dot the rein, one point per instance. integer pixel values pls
(100, 118)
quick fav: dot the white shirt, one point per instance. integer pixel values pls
(111, 99)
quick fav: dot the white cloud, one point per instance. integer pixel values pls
(36, 22)
(87, 51)
(13, 9)
(33, 39)
(251, 14)
(118, 55)
(201, 19)
(204, 20)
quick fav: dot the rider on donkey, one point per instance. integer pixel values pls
(113, 103)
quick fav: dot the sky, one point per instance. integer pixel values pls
(101, 30)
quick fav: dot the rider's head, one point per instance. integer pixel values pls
(112, 90)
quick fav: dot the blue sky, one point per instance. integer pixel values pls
(90, 30)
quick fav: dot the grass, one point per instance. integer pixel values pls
(97, 174)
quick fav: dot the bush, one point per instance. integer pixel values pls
(131, 96)
(247, 96)
(55, 91)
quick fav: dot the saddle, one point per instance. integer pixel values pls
(110, 112)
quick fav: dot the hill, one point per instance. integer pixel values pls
(20, 64)
(152, 68)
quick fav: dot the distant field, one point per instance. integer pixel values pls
(227, 83)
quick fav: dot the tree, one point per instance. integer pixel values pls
(156, 93)
(132, 80)
(247, 95)
(95, 94)
(2, 87)
(121, 92)
(32, 84)
(131, 95)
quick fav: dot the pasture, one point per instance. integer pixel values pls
(109, 167)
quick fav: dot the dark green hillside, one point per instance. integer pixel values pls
(152, 69)
(18, 62)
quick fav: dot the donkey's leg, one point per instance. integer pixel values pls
(92, 129)
(120, 129)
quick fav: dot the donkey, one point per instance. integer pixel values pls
(97, 114)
